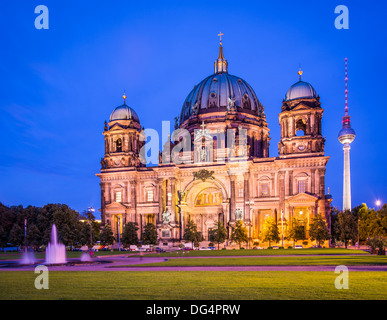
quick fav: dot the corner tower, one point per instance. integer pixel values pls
(122, 144)
(300, 121)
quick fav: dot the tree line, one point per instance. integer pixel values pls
(71, 230)
(361, 224)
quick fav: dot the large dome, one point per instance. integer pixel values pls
(219, 92)
(300, 89)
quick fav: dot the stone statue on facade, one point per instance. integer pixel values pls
(182, 196)
(166, 216)
(238, 214)
(103, 163)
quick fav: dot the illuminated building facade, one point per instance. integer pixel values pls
(215, 186)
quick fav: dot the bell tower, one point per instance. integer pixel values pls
(300, 121)
(122, 143)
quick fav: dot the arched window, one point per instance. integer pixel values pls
(300, 128)
(119, 145)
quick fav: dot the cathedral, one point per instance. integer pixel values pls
(217, 180)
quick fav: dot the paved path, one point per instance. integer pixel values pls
(106, 263)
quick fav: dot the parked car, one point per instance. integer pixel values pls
(275, 247)
(158, 249)
(211, 248)
(298, 246)
(187, 248)
(204, 248)
(257, 248)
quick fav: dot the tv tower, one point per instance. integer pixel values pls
(346, 136)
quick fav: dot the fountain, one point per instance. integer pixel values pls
(55, 251)
(85, 257)
(27, 258)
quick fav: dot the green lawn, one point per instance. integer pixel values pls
(197, 253)
(69, 254)
(272, 261)
(263, 252)
(193, 285)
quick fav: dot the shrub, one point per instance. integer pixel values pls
(224, 249)
(305, 243)
(270, 247)
(290, 247)
(211, 244)
(281, 248)
(242, 248)
(256, 243)
(378, 242)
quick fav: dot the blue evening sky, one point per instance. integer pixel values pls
(58, 86)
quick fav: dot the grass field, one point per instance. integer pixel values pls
(69, 254)
(193, 285)
(263, 252)
(197, 253)
(273, 261)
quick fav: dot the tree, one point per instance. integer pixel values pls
(106, 236)
(378, 242)
(270, 231)
(191, 233)
(370, 222)
(239, 233)
(346, 227)
(218, 235)
(16, 235)
(34, 238)
(149, 235)
(129, 235)
(66, 221)
(3, 236)
(383, 220)
(89, 216)
(296, 231)
(318, 230)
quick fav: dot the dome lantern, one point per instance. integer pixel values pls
(221, 64)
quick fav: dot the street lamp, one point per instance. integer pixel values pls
(250, 204)
(119, 233)
(90, 217)
(282, 222)
(25, 235)
(378, 204)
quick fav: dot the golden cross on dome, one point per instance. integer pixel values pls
(220, 36)
(124, 96)
(299, 73)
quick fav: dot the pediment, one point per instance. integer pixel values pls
(116, 126)
(115, 206)
(302, 198)
(301, 106)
